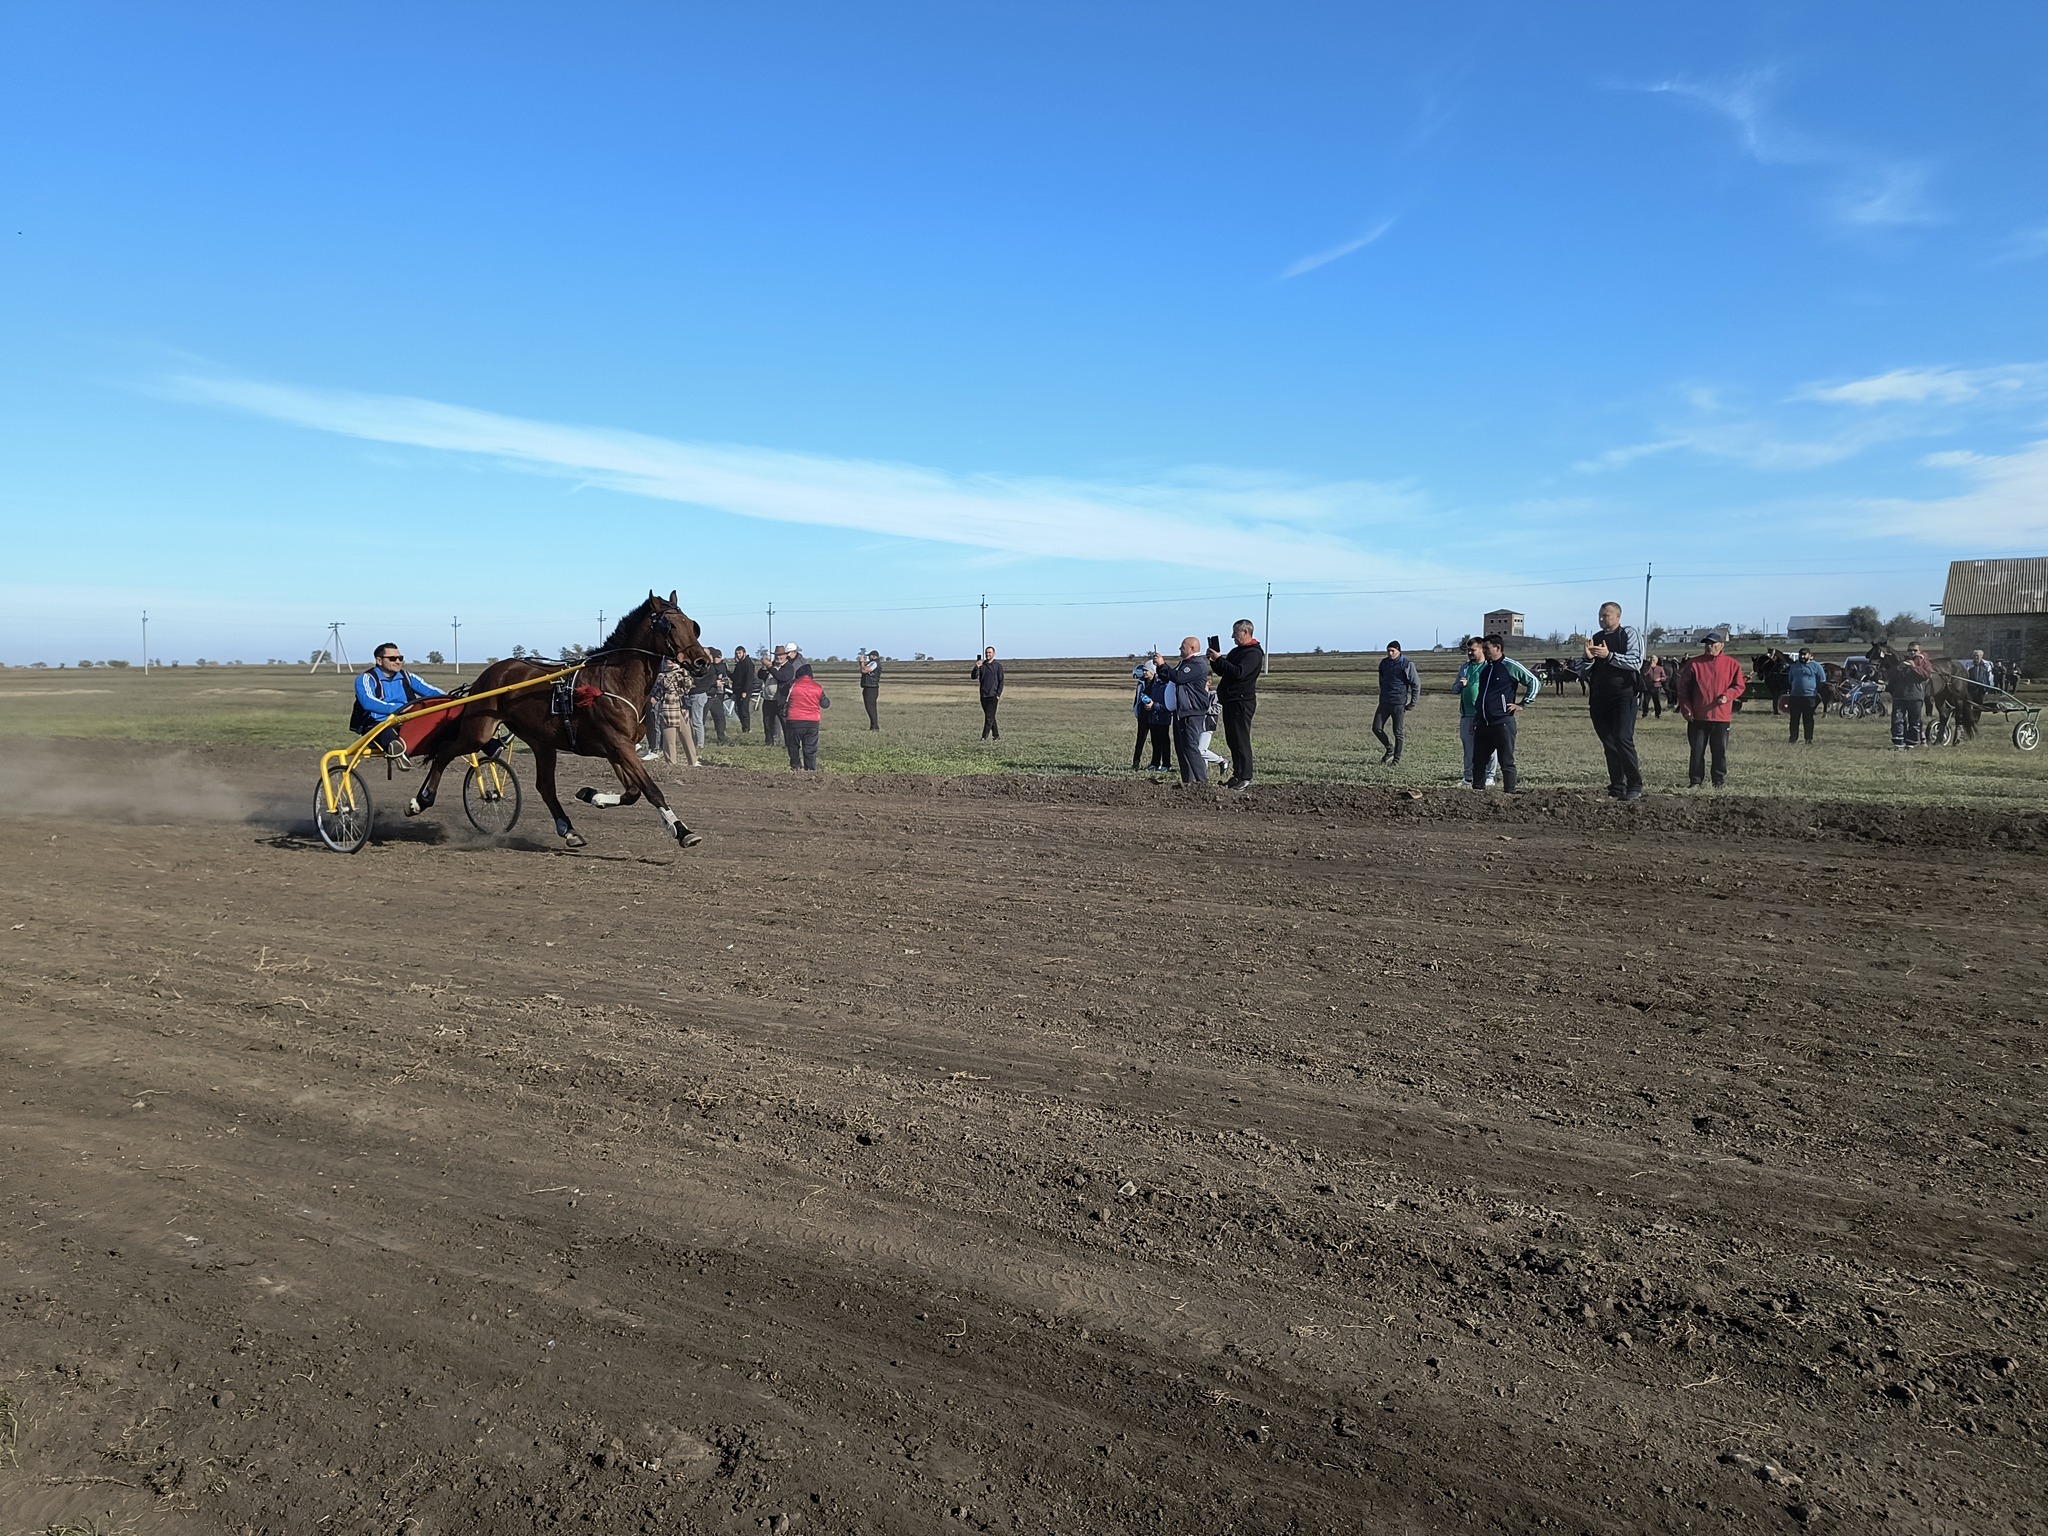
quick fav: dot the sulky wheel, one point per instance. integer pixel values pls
(2026, 734)
(490, 797)
(345, 827)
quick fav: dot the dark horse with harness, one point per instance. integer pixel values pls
(595, 713)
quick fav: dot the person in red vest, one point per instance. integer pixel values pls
(1708, 686)
(803, 708)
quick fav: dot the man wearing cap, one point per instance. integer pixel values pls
(1399, 689)
(1616, 653)
(871, 686)
(1804, 679)
(1708, 687)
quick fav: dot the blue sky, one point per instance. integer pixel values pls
(1115, 313)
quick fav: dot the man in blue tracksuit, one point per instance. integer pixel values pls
(1505, 689)
(1804, 680)
(1399, 689)
(383, 691)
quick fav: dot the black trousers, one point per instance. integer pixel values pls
(988, 717)
(1802, 710)
(1614, 722)
(771, 722)
(801, 737)
(1237, 735)
(743, 706)
(1495, 738)
(1187, 746)
(1395, 710)
(1701, 735)
(1155, 731)
(867, 697)
(1649, 699)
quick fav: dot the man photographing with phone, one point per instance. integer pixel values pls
(1190, 678)
(1237, 690)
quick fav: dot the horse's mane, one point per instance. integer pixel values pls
(624, 627)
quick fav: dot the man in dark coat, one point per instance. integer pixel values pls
(1190, 678)
(1237, 690)
(1616, 653)
(1399, 689)
(988, 672)
(743, 680)
(871, 687)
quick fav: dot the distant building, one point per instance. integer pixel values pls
(1820, 628)
(1999, 607)
(1504, 622)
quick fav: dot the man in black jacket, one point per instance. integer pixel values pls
(1616, 653)
(743, 688)
(871, 685)
(1190, 678)
(1399, 689)
(988, 672)
(1237, 690)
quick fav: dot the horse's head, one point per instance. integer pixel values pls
(672, 632)
(1880, 650)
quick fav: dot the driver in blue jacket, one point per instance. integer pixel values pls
(385, 689)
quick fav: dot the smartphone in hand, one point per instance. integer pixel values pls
(1216, 644)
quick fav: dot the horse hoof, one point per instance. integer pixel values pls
(587, 795)
(573, 840)
(413, 807)
(690, 839)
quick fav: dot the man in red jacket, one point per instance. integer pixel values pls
(1708, 686)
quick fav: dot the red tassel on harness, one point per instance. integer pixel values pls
(587, 695)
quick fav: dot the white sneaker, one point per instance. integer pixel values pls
(1489, 783)
(1464, 783)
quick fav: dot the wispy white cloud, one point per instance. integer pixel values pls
(1941, 386)
(1872, 190)
(1823, 424)
(2004, 507)
(2024, 245)
(1227, 520)
(1337, 253)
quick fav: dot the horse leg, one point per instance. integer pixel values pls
(471, 731)
(544, 781)
(637, 781)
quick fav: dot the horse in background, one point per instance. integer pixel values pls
(596, 713)
(1949, 703)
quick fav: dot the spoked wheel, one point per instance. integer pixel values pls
(345, 822)
(2026, 734)
(490, 797)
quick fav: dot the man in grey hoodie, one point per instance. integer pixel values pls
(1399, 689)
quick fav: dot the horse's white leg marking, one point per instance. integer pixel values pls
(605, 797)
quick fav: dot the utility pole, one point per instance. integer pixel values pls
(1266, 635)
(600, 626)
(984, 621)
(145, 642)
(1647, 568)
(771, 630)
(336, 651)
(455, 641)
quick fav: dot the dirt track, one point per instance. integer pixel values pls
(1021, 1155)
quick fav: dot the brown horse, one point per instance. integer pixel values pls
(1953, 710)
(606, 704)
